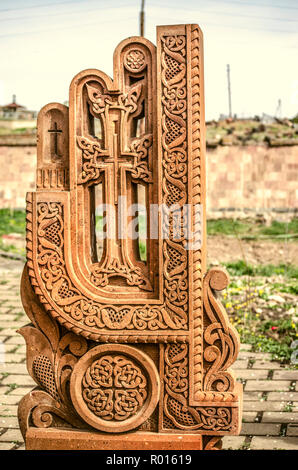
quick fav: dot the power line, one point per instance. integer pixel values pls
(38, 6)
(290, 20)
(171, 6)
(67, 13)
(142, 13)
(64, 27)
(225, 13)
(260, 5)
(234, 27)
(133, 17)
(150, 16)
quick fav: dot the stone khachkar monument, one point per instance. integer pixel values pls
(127, 352)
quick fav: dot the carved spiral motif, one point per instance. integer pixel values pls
(114, 387)
(135, 60)
(177, 412)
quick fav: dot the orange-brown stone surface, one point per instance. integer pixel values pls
(124, 338)
(55, 439)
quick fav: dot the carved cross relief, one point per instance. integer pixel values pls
(119, 343)
(115, 155)
(54, 145)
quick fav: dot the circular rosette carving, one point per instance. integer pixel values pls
(115, 388)
(134, 60)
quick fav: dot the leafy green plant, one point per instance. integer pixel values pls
(288, 408)
(273, 336)
(279, 351)
(12, 221)
(262, 316)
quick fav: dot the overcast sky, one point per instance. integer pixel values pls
(45, 43)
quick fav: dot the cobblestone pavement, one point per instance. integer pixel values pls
(270, 412)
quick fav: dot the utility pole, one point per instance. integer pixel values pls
(142, 19)
(229, 91)
(278, 113)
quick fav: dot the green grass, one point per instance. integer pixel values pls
(280, 350)
(12, 249)
(98, 223)
(20, 130)
(241, 268)
(281, 228)
(268, 325)
(290, 289)
(12, 221)
(226, 227)
(251, 229)
(142, 248)
(257, 333)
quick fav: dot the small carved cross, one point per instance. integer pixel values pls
(55, 133)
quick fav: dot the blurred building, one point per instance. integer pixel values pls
(16, 116)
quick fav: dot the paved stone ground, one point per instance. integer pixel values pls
(270, 414)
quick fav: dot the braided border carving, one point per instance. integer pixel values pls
(214, 414)
(196, 188)
(174, 159)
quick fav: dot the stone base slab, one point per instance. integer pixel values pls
(62, 439)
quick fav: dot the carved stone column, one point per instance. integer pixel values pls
(120, 342)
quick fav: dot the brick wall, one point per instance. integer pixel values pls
(245, 179)
(17, 174)
(252, 178)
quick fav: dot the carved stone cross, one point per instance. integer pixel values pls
(126, 353)
(55, 132)
(118, 155)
